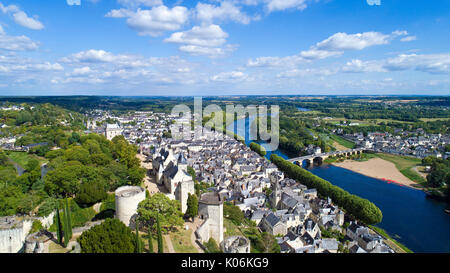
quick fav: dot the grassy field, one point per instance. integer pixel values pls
(22, 158)
(144, 238)
(181, 242)
(230, 228)
(433, 119)
(405, 165)
(56, 248)
(346, 143)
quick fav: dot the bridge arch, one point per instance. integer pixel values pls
(318, 160)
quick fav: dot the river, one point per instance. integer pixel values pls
(408, 216)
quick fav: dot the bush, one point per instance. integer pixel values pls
(112, 236)
(360, 208)
(36, 226)
(212, 246)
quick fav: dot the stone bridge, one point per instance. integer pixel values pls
(321, 157)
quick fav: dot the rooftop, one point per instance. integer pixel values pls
(211, 198)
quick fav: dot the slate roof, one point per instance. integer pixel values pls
(272, 220)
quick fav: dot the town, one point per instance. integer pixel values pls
(292, 212)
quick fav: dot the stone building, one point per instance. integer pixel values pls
(210, 209)
(112, 130)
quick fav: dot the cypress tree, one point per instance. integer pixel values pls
(150, 240)
(138, 241)
(65, 227)
(160, 239)
(58, 225)
(69, 219)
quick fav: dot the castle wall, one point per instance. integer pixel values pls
(203, 232)
(11, 240)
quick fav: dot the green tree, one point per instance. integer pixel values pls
(112, 236)
(160, 206)
(160, 237)
(91, 193)
(58, 225)
(150, 240)
(138, 239)
(233, 213)
(192, 206)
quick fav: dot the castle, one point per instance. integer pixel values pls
(171, 171)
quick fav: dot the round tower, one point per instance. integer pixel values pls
(127, 201)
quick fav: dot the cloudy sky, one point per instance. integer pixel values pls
(224, 47)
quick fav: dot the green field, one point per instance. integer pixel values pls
(181, 242)
(343, 142)
(405, 165)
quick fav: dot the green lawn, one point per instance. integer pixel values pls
(181, 242)
(405, 165)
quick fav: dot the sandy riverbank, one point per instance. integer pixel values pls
(377, 168)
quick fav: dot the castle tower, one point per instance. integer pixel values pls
(127, 201)
(210, 207)
(275, 196)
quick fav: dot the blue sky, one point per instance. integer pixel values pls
(224, 47)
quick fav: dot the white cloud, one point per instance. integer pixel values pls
(120, 13)
(21, 18)
(275, 61)
(202, 40)
(317, 54)
(358, 66)
(155, 21)
(276, 5)
(136, 3)
(335, 45)
(408, 39)
(82, 71)
(358, 41)
(209, 36)
(74, 2)
(431, 63)
(16, 43)
(225, 11)
(232, 76)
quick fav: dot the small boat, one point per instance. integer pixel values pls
(447, 211)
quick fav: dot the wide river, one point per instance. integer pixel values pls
(408, 216)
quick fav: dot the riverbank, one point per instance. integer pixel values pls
(379, 169)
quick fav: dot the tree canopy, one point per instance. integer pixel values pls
(160, 206)
(112, 236)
